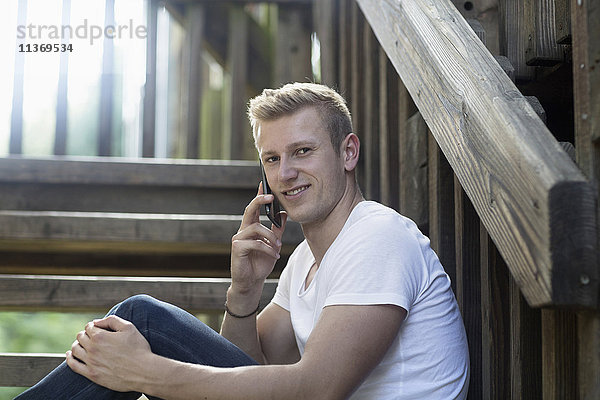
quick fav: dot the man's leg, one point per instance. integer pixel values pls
(171, 332)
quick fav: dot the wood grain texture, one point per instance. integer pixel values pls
(123, 171)
(526, 190)
(77, 293)
(414, 172)
(106, 232)
(26, 369)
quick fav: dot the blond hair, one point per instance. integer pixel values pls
(272, 104)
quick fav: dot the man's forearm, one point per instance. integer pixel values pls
(242, 331)
(170, 379)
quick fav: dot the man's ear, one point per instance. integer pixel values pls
(351, 151)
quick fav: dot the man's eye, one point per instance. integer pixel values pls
(303, 150)
(271, 159)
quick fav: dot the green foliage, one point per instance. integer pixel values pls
(39, 332)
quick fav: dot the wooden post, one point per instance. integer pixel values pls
(149, 121)
(344, 54)
(546, 51)
(413, 171)
(192, 83)
(389, 162)
(325, 14)
(293, 44)
(16, 117)
(585, 26)
(356, 76)
(469, 283)
(559, 355)
(495, 322)
(369, 100)
(517, 34)
(60, 132)
(525, 346)
(562, 21)
(441, 208)
(238, 66)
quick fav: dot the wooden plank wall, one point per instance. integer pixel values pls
(517, 352)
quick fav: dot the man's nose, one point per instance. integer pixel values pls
(287, 170)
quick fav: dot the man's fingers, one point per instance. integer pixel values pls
(257, 231)
(111, 323)
(252, 211)
(246, 246)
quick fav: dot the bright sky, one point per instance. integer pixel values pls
(85, 66)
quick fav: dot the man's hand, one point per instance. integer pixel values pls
(110, 352)
(255, 248)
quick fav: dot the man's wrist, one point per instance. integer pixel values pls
(242, 302)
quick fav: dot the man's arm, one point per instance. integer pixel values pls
(254, 251)
(345, 346)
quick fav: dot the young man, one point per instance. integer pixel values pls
(363, 310)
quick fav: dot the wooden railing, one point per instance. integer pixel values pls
(450, 141)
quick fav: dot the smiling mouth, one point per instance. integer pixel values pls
(296, 191)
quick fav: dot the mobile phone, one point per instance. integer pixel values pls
(273, 210)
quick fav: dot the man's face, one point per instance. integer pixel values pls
(304, 172)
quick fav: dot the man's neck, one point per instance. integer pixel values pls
(320, 235)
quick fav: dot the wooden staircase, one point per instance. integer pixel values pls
(123, 213)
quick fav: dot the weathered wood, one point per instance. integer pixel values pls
(293, 45)
(149, 113)
(441, 208)
(369, 100)
(216, 37)
(357, 82)
(525, 346)
(136, 172)
(413, 172)
(15, 145)
(345, 50)
(179, 233)
(495, 323)
(506, 66)
(192, 83)
(546, 50)
(85, 293)
(477, 28)
(468, 280)
(559, 355)
(326, 23)
(142, 186)
(585, 25)
(517, 26)
(562, 21)
(26, 369)
(389, 158)
(486, 13)
(237, 62)
(528, 193)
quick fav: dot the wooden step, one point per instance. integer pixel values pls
(26, 369)
(124, 232)
(106, 184)
(84, 293)
(88, 293)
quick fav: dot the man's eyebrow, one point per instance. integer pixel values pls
(290, 147)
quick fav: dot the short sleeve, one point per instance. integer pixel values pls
(378, 262)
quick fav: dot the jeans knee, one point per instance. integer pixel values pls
(138, 305)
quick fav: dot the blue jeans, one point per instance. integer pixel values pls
(171, 332)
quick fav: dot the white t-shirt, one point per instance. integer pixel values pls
(381, 257)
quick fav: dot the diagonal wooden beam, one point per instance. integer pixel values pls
(531, 197)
